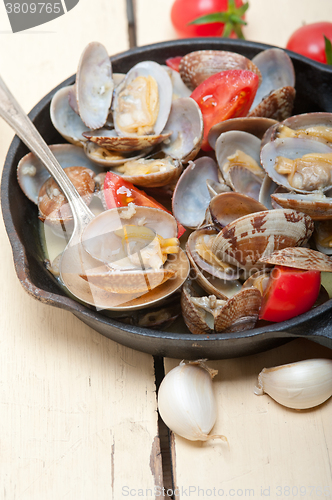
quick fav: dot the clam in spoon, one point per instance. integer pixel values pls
(76, 263)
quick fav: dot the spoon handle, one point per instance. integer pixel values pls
(17, 119)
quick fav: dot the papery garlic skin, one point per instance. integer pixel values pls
(186, 401)
(300, 385)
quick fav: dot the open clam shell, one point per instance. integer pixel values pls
(64, 118)
(229, 143)
(31, 173)
(180, 89)
(323, 236)
(198, 245)
(191, 196)
(119, 272)
(196, 67)
(315, 126)
(318, 206)
(277, 71)
(107, 158)
(110, 140)
(300, 258)
(94, 85)
(255, 125)
(98, 237)
(290, 148)
(129, 103)
(246, 240)
(151, 172)
(209, 315)
(227, 207)
(278, 105)
(186, 123)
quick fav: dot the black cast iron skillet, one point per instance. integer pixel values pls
(313, 93)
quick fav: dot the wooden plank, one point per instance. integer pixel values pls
(273, 451)
(78, 411)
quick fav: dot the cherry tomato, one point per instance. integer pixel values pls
(185, 11)
(119, 193)
(174, 62)
(309, 40)
(228, 94)
(289, 292)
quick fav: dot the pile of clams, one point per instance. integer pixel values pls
(261, 197)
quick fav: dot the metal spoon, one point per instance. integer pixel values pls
(75, 261)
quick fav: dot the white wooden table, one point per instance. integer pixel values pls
(78, 411)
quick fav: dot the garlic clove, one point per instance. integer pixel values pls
(300, 385)
(186, 401)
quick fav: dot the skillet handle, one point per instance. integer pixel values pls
(318, 329)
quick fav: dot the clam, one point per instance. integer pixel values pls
(227, 207)
(246, 240)
(191, 196)
(150, 172)
(255, 125)
(278, 105)
(132, 246)
(94, 85)
(317, 205)
(315, 126)
(186, 123)
(237, 148)
(110, 140)
(323, 236)
(180, 89)
(196, 67)
(300, 258)
(277, 72)
(107, 158)
(31, 173)
(298, 164)
(142, 102)
(207, 314)
(52, 203)
(64, 118)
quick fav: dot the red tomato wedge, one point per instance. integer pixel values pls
(289, 292)
(119, 193)
(174, 62)
(228, 94)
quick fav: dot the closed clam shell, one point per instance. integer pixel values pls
(52, 203)
(196, 67)
(227, 207)
(300, 258)
(186, 123)
(110, 140)
(94, 85)
(246, 240)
